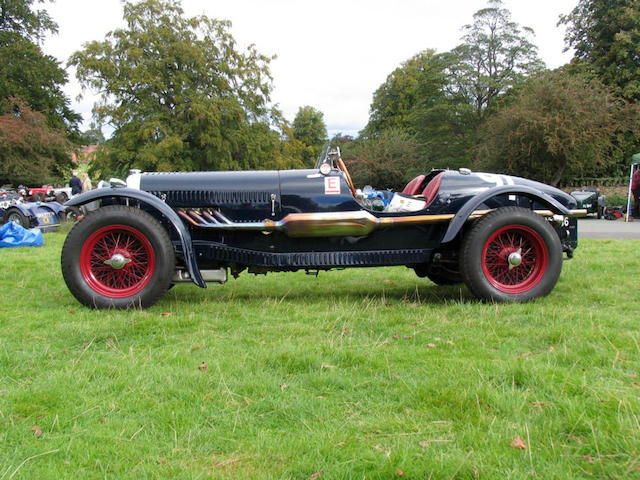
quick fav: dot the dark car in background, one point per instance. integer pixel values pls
(503, 236)
(45, 216)
(591, 200)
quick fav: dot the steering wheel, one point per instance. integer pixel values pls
(343, 167)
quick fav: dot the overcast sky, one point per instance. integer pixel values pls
(331, 54)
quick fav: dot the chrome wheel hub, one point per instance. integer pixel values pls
(515, 259)
(117, 261)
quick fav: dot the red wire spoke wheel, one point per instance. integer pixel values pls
(118, 257)
(514, 259)
(511, 255)
(117, 261)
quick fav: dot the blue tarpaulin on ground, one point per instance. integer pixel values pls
(14, 235)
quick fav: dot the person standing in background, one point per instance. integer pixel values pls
(75, 184)
(86, 183)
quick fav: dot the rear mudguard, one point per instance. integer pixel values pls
(22, 208)
(463, 214)
(54, 207)
(162, 208)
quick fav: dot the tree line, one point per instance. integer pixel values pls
(176, 91)
(491, 104)
(179, 94)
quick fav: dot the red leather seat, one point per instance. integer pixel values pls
(413, 187)
(430, 191)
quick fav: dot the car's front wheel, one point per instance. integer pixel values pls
(511, 255)
(118, 257)
(15, 215)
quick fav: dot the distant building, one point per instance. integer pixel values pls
(84, 155)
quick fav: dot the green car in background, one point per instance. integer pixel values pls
(590, 199)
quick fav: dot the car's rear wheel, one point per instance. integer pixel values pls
(118, 257)
(511, 254)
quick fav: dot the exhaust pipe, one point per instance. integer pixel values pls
(331, 224)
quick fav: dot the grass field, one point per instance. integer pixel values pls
(364, 373)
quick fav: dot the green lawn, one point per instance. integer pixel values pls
(363, 373)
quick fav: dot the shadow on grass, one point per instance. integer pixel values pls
(430, 294)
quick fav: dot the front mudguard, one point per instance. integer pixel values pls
(161, 208)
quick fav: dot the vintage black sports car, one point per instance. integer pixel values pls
(502, 236)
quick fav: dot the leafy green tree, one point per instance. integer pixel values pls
(20, 18)
(416, 99)
(444, 121)
(92, 136)
(346, 144)
(395, 100)
(558, 127)
(495, 55)
(31, 82)
(31, 151)
(442, 99)
(605, 35)
(309, 128)
(388, 160)
(27, 73)
(291, 151)
(178, 93)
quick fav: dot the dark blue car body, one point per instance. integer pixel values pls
(45, 216)
(313, 219)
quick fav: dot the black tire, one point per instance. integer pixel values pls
(15, 215)
(491, 249)
(38, 197)
(139, 249)
(61, 197)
